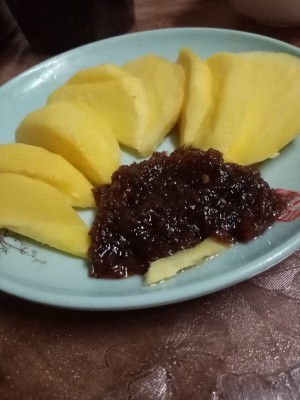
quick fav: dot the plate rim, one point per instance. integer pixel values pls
(93, 303)
(50, 60)
(255, 267)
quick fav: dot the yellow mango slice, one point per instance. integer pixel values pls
(97, 74)
(167, 267)
(163, 81)
(121, 102)
(257, 102)
(37, 210)
(38, 163)
(77, 133)
(198, 97)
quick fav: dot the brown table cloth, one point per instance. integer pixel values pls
(238, 344)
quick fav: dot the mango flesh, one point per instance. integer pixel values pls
(256, 105)
(38, 163)
(167, 267)
(78, 134)
(163, 81)
(39, 211)
(198, 97)
(245, 105)
(121, 102)
(97, 74)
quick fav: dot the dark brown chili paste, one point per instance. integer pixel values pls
(172, 202)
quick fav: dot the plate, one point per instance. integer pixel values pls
(38, 273)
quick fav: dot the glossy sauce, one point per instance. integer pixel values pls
(172, 202)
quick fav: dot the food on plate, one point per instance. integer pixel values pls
(77, 133)
(228, 102)
(198, 97)
(168, 203)
(167, 267)
(170, 211)
(163, 81)
(122, 102)
(140, 101)
(97, 74)
(256, 105)
(39, 211)
(38, 163)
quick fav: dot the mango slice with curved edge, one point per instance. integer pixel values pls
(121, 102)
(77, 133)
(163, 81)
(257, 102)
(38, 163)
(39, 211)
(167, 267)
(97, 74)
(198, 97)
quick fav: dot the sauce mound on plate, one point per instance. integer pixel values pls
(172, 202)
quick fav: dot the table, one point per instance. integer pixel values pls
(242, 343)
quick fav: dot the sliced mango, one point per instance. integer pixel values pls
(198, 98)
(38, 163)
(77, 133)
(121, 102)
(257, 102)
(39, 211)
(163, 81)
(167, 267)
(97, 74)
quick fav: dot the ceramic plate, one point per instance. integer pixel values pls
(38, 273)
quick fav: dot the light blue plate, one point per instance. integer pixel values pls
(40, 274)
